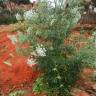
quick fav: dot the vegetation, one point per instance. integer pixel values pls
(7, 20)
(46, 28)
(49, 26)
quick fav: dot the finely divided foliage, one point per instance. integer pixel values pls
(49, 24)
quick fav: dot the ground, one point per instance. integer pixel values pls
(15, 74)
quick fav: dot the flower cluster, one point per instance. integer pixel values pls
(30, 15)
(18, 17)
(31, 62)
(57, 3)
(40, 50)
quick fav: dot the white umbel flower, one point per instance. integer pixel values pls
(30, 15)
(54, 3)
(18, 17)
(41, 51)
(31, 62)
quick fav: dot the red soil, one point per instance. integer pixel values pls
(16, 74)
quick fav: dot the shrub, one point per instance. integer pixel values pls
(59, 62)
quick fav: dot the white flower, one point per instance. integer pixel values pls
(76, 13)
(30, 15)
(61, 85)
(41, 51)
(95, 9)
(58, 3)
(85, 12)
(58, 77)
(51, 3)
(54, 69)
(53, 20)
(31, 62)
(13, 39)
(90, 7)
(32, 1)
(18, 17)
